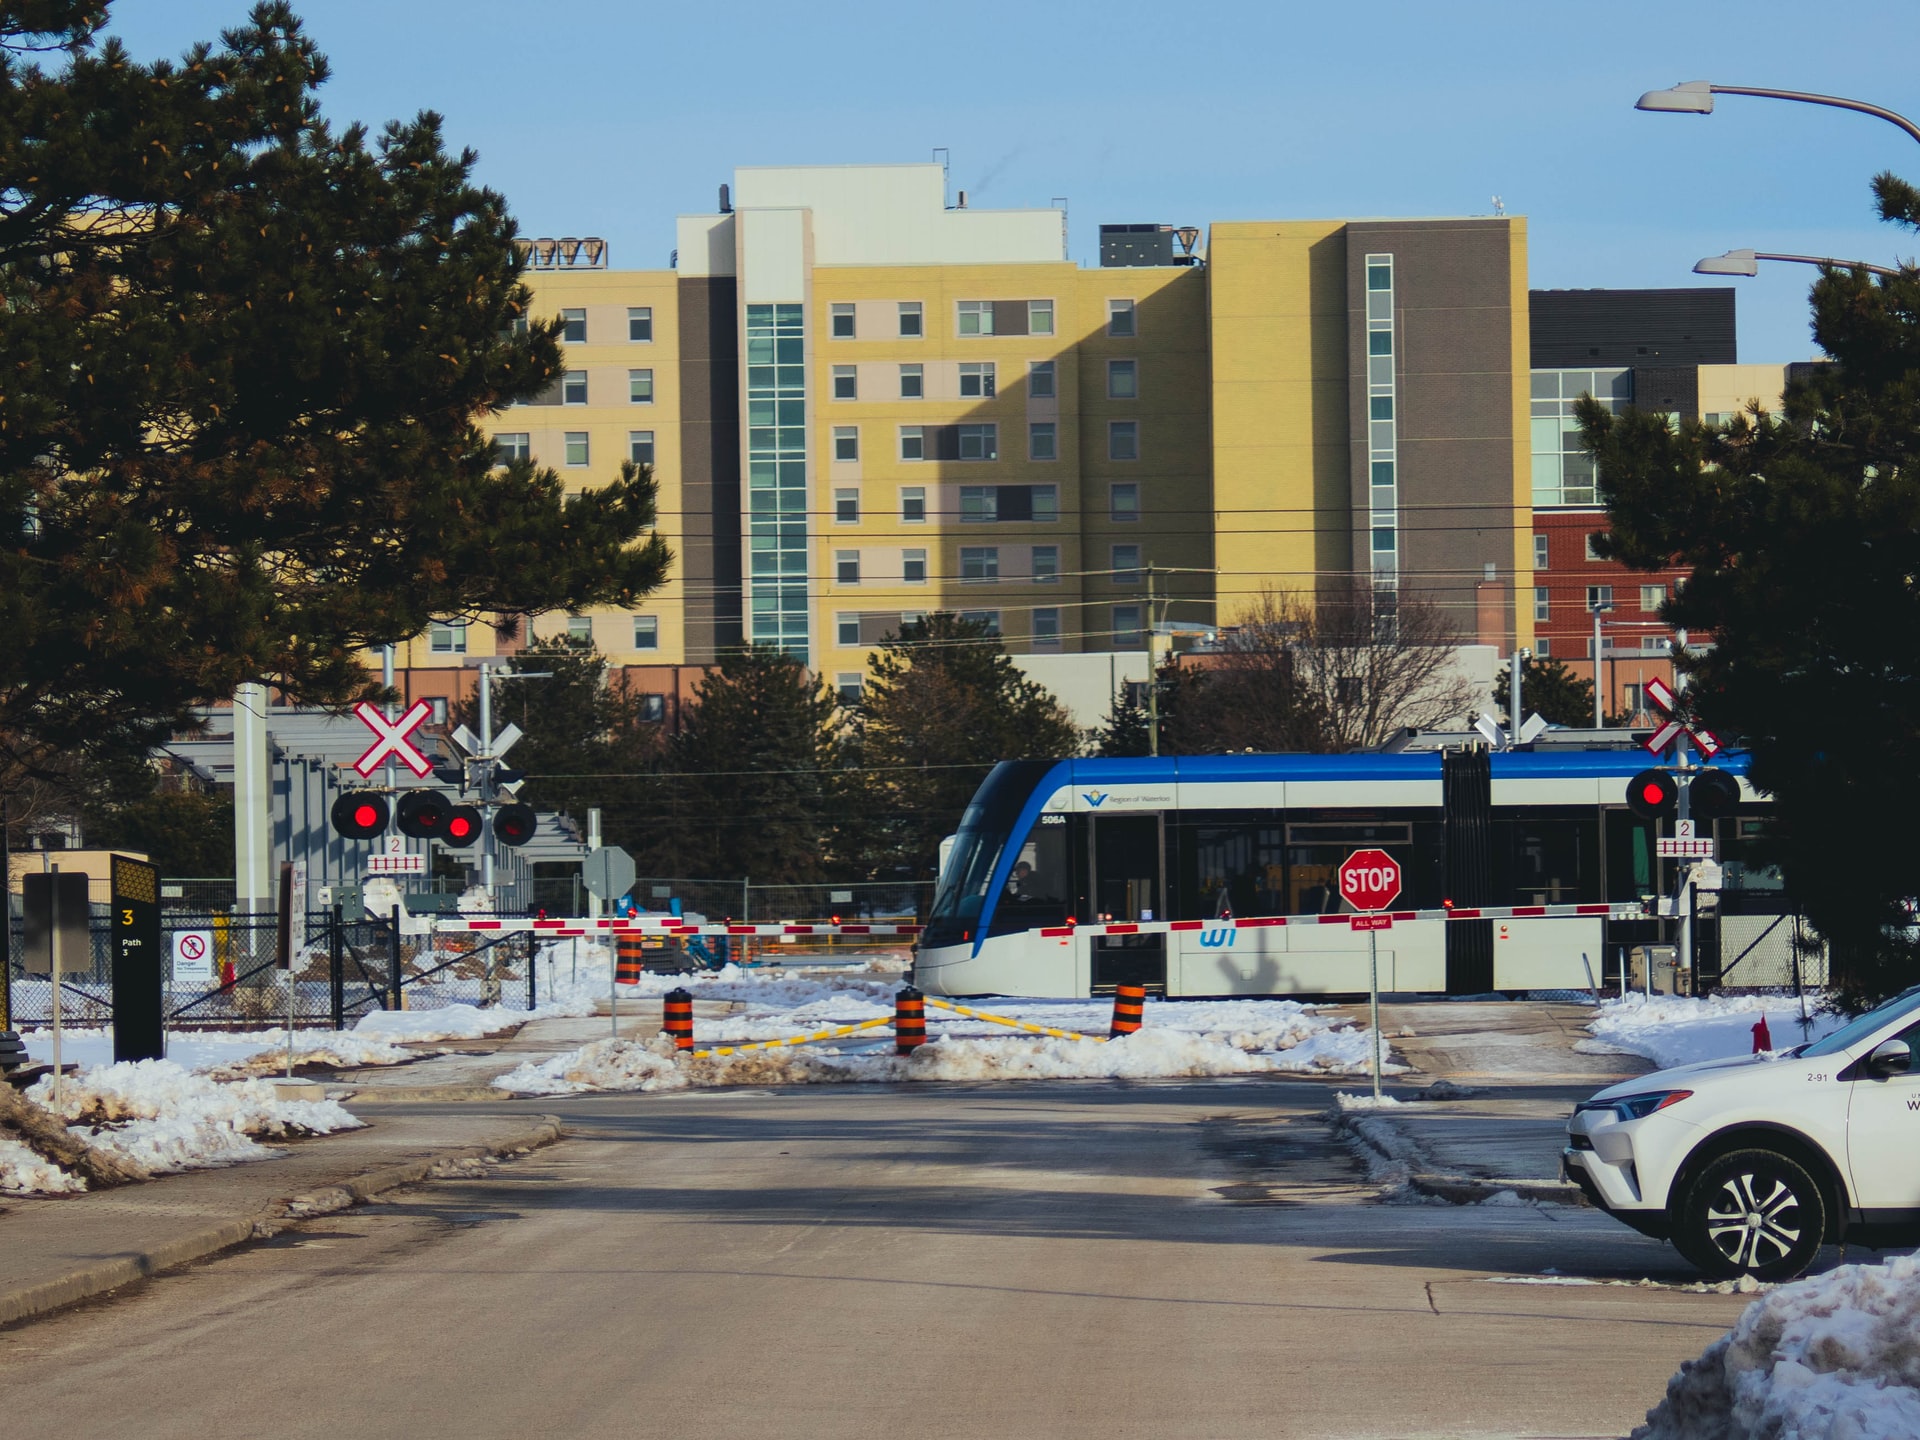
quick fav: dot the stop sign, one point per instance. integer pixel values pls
(1369, 879)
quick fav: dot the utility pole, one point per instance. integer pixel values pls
(1153, 673)
(1517, 710)
(486, 780)
(1599, 647)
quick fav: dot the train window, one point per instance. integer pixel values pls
(1550, 861)
(1350, 833)
(1039, 885)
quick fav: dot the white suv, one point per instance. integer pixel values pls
(1748, 1166)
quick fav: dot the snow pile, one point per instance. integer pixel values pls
(1150, 1054)
(1348, 1102)
(1681, 1030)
(24, 1172)
(164, 1117)
(602, 1065)
(449, 1022)
(1836, 1357)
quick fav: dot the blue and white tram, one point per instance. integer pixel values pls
(1049, 845)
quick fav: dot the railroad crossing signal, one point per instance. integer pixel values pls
(390, 738)
(463, 826)
(423, 814)
(360, 814)
(1672, 729)
(1370, 880)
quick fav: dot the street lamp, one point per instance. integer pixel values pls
(1747, 262)
(1600, 607)
(1695, 97)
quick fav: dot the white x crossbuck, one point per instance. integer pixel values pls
(1662, 695)
(390, 738)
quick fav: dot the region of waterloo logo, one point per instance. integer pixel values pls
(1095, 798)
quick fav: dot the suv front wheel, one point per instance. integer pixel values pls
(1751, 1212)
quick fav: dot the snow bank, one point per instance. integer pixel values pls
(1681, 1030)
(1836, 1357)
(24, 1172)
(1150, 1054)
(165, 1118)
(449, 1022)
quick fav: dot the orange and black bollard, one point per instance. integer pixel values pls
(678, 1009)
(631, 965)
(1129, 1004)
(909, 1021)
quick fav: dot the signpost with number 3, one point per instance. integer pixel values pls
(1370, 882)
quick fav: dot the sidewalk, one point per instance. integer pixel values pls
(55, 1251)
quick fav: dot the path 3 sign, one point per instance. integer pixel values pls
(1370, 880)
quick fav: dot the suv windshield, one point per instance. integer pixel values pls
(1855, 1031)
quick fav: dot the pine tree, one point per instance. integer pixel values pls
(246, 353)
(943, 706)
(1547, 689)
(747, 786)
(1802, 534)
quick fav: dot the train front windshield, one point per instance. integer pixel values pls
(985, 828)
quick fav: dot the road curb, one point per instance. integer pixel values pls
(27, 1301)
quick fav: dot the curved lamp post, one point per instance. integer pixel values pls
(1747, 262)
(1695, 97)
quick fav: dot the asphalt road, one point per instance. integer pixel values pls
(1059, 1260)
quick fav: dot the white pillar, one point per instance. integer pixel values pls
(252, 802)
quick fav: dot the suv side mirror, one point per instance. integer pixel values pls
(1891, 1057)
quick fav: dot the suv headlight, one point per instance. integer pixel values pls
(1636, 1107)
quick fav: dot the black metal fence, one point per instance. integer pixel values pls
(342, 969)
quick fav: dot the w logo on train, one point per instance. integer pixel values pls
(1213, 938)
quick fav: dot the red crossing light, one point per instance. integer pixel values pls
(360, 814)
(1653, 794)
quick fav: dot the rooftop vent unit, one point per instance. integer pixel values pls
(1134, 245)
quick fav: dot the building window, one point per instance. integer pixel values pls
(843, 322)
(979, 562)
(778, 602)
(846, 566)
(579, 630)
(976, 317)
(979, 442)
(1126, 565)
(1380, 342)
(1044, 501)
(1380, 275)
(1040, 379)
(913, 443)
(646, 632)
(437, 710)
(846, 627)
(1592, 551)
(913, 384)
(910, 319)
(846, 382)
(1383, 540)
(848, 685)
(511, 447)
(1040, 317)
(846, 442)
(1599, 597)
(640, 387)
(1380, 407)
(573, 326)
(640, 322)
(1123, 380)
(1542, 603)
(447, 637)
(1123, 502)
(1127, 629)
(990, 619)
(640, 446)
(976, 380)
(1046, 564)
(1656, 644)
(1540, 552)
(1652, 597)
(653, 709)
(979, 504)
(846, 507)
(1042, 442)
(573, 388)
(1123, 440)
(913, 567)
(1046, 627)
(913, 504)
(1120, 317)
(577, 449)
(1563, 471)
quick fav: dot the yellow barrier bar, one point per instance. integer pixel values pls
(1016, 1024)
(833, 1034)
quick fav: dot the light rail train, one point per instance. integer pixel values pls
(1048, 851)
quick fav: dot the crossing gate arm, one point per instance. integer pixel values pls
(837, 1033)
(1015, 1024)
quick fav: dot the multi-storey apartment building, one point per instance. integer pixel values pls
(1671, 351)
(865, 401)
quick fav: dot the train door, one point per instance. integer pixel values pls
(1129, 883)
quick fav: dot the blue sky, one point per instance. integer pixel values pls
(606, 117)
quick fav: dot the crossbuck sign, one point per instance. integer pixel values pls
(390, 738)
(1661, 695)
